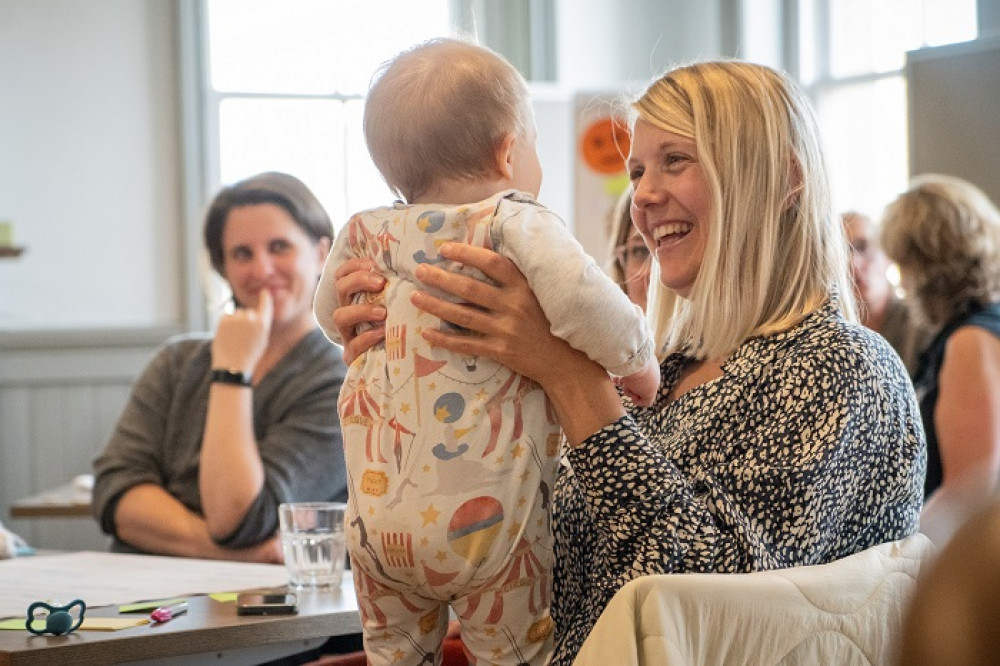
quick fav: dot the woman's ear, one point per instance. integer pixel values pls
(503, 156)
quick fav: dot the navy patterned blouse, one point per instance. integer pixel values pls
(809, 448)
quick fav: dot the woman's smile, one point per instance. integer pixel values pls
(670, 202)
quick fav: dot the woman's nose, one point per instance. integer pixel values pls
(262, 264)
(645, 193)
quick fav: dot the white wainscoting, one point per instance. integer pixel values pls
(60, 396)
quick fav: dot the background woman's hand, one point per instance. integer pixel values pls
(353, 277)
(241, 337)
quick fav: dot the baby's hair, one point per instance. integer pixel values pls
(437, 112)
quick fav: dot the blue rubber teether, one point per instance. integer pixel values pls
(58, 620)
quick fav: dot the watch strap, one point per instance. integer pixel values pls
(232, 377)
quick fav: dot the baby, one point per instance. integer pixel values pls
(451, 459)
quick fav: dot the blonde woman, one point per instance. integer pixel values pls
(945, 235)
(784, 434)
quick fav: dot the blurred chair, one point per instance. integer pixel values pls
(845, 612)
(954, 617)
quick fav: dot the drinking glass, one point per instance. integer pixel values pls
(312, 537)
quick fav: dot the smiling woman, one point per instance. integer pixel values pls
(220, 429)
(739, 465)
(670, 202)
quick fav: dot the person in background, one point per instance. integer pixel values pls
(219, 429)
(784, 433)
(630, 264)
(880, 308)
(450, 127)
(945, 235)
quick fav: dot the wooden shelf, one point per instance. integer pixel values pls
(11, 251)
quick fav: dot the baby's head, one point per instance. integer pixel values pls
(440, 111)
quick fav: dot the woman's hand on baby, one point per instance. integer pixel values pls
(241, 337)
(353, 277)
(506, 322)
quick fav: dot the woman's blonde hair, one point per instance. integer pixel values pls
(944, 233)
(775, 251)
(438, 111)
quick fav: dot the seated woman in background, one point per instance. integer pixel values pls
(784, 434)
(879, 307)
(945, 235)
(221, 429)
(629, 254)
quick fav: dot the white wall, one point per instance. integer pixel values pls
(89, 163)
(607, 43)
(90, 177)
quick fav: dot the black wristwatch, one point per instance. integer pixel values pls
(232, 377)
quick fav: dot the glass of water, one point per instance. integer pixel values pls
(312, 537)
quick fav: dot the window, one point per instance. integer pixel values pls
(285, 88)
(852, 61)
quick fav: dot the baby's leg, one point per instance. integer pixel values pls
(507, 621)
(399, 629)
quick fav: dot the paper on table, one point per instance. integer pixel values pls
(88, 624)
(149, 606)
(105, 579)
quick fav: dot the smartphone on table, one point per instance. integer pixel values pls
(267, 603)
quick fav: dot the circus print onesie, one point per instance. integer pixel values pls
(451, 459)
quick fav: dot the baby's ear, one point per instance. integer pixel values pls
(503, 155)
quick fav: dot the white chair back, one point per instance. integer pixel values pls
(847, 612)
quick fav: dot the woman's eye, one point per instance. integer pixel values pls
(279, 246)
(638, 253)
(635, 174)
(240, 254)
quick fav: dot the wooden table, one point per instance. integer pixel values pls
(67, 501)
(210, 632)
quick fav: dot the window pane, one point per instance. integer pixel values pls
(313, 46)
(309, 139)
(950, 21)
(865, 135)
(365, 187)
(868, 36)
(302, 137)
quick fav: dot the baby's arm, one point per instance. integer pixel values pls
(584, 305)
(642, 386)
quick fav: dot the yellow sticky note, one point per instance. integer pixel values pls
(13, 623)
(111, 623)
(88, 624)
(147, 606)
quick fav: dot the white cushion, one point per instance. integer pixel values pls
(846, 612)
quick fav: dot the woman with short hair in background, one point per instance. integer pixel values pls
(221, 428)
